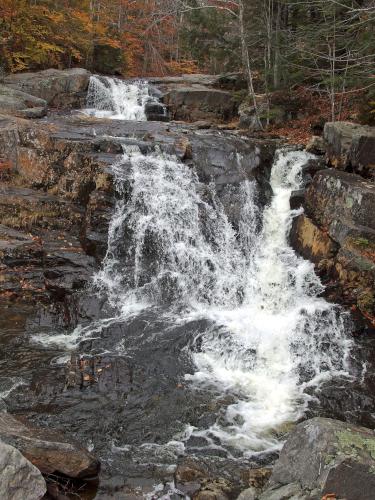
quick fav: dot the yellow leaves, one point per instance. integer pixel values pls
(49, 47)
(36, 35)
(55, 17)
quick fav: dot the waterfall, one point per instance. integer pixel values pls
(272, 339)
(117, 99)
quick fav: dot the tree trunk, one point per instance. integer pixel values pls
(246, 63)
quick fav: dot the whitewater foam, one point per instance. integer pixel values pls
(117, 99)
(272, 336)
(272, 339)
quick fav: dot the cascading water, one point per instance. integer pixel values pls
(117, 99)
(271, 338)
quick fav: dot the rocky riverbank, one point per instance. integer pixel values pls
(57, 196)
(336, 230)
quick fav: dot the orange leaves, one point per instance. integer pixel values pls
(37, 35)
(182, 67)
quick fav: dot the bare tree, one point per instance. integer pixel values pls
(235, 9)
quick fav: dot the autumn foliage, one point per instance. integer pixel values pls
(38, 34)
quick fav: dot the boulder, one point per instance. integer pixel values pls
(351, 146)
(316, 145)
(48, 450)
(19, 478)
(334, 196)
(200, 103)
(323, 456)
(60, 88)
(18, 103)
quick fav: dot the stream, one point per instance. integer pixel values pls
(200, 337)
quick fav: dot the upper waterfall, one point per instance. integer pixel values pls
(117, 99)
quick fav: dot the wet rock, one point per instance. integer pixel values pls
(46, 218)
(155, 111)
(48, 450)
(329, 456)
(97, 220)
(297, 199)
(351, 146)
(199, 103)
(17, 103)
(19, 478)
(60, 88)
(52, 263)
(25, 208)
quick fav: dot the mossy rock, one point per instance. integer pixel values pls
(329, 456)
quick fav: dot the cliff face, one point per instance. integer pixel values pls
(57, 196)
(337, 230)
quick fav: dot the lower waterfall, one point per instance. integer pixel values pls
(272, 339)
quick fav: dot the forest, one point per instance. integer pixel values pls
(323, 46)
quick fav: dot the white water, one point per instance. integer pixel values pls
(272, 337)
(271, 341)
(117, 99)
